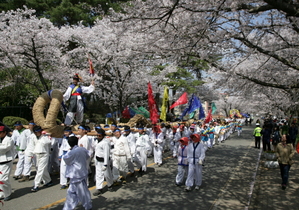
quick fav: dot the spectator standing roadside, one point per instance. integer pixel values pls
(285, 153)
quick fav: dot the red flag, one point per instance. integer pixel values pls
(91, 69)
(182, 100)
(154, 116)
(209, 117)
(126, 113)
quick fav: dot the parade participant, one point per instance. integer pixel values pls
(6, 160)
(257, 135)
(266, 133)
(85, 142)
(16, 137)
(157, 139)
(285, 153)
(131, 137)
(21, 144)
(239, 128)
(195, 156)
(211, 136)
(142, 148)
(168, 131)
(217, 132)
(204, 137)
(121, 155)
(77, 171)
(293, 131)
(102, 163)
(182, 161)
(174, 136)
(191, 130)
(74, 94)
(29, 156)
(42, 145)
(64, 148)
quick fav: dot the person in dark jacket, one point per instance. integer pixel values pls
(266, 132)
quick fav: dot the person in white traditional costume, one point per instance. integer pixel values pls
(7, 153)
(157, 139)
(142, 148)
(77, 172)
(195, 156)
(102, 163)
(182, 161)
(42, 145)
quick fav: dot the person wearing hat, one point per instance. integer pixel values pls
(131, 137)
(121, 155)
(42, 146)
(102, 162)
(29, 158)
(64, 148)
(157, 139)
(195, 156)
(174, 136)
(85, 142)
(142, 148)
(77, 171)
(6, 161)
(257, 135)
(21, 135)
(182, 161)
(74, 95)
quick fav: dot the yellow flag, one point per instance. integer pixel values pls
(164, 104)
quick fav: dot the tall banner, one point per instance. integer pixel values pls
(201, 111)
(192, 106)
(209, 117)
(164, 104)
(154, 116)
(182, 100)
(214, 108)
(91, 69)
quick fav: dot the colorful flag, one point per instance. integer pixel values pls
(192, 106)
(182, 100)
(214, 108)
(209, 117)
(91, 69)
(146, 113)
(126, 113)
(201, 111)
(154, 116)
(164, 104)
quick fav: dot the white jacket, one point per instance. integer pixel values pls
(7, 151)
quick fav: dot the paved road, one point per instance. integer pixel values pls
(228, 180)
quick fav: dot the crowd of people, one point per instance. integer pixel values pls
(115, 152)
(283, 138)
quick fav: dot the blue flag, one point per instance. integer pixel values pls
(194, 103)
(201, 111)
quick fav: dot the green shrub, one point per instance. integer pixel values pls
(10, 121)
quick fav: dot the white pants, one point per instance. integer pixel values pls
(5, 188)
(121, 163)
(28, 164)
(78, 192)
(79, 114)
(239, 132)
(194, 173)
(20, 164)
(141, 158)
(158, 154)
(174, 148)
(182, 170)
(101, 175)
(63, 179)
(131, 165)
(42, 173)
(210, 143)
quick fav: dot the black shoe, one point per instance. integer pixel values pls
(7, 198)
(50, 183)
(97, 192)
(110, 189)
(34, 189)
(283, 186)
